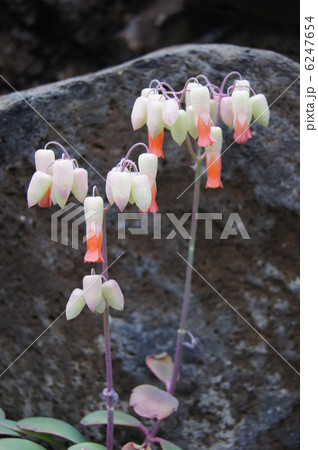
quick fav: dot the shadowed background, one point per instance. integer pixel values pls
(47, 40)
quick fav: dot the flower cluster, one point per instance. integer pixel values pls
(125, 183)
(54, 180)
(95, 294)
(195, 111)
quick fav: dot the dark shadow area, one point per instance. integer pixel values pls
(47, 40)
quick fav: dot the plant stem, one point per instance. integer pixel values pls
(187, 289)
(108, 358)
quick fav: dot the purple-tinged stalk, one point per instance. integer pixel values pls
(187, 290)
(221, 95)
(109, 391)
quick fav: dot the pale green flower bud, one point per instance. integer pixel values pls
(227, 111)
(113, 294)
(180, 128)
(192, 129)
(120, 183)
(139, 113)
(260, 109)
(75, 304)
(43, 160)
(38, 187)
(170, 112)
(62, 180)
(148, 165)
(92, 287)
(155, 121)
(141, 191)
(80, 184)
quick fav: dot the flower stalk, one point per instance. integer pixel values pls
(108, 393)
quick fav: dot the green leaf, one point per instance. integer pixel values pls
(51, 426)
(9, 428)
(2, 414)
(166, 445)
(87, 446)
(120, 418)
(19, 444)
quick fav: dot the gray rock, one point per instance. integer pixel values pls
(235, 392)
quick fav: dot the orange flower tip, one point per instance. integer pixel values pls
(213, 184)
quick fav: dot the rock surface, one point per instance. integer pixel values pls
(235, 392)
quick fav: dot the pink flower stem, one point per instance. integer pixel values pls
(187, 290)
(221, 95)
(58, 145)
(189, 271)
(108, 360)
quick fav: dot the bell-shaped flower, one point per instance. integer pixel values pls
(75, 304)
(155, 145)
(260, 109)
(39, 190)
(92, 291)
(80, 184)
(118, 185)
(180, 129)
(94, 214)
(44, 159)
(200, 100)
(213, 108)
(213, 159)
(192, 129)
(227, 111)
(113, 294)
(141, 191)
(148, 165)
(108, 187)
(170, 112)
(242, 112)
(62, 180)
(155, 121)
(146, 92)
(190, 86)
(139, 113)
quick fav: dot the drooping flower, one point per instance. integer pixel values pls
(139, 113)
(155, 144)
(180, 129)
(213, 159)
(260, 109)
(80, 184)
(39, 189)
(95, 295)
(170, 112)
(141, 191)
(62, 180)
(148, 165)
(200, 101)
(94, 212)
(118, 185)
(113, 294)
(92, 291)
(242, 111)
